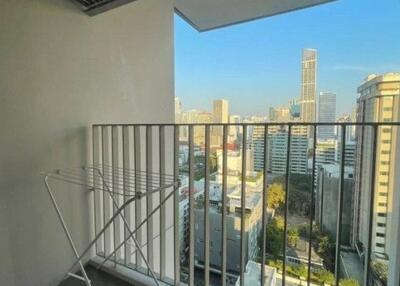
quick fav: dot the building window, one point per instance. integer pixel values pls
(384, 184)
(385, 152)
(385, 162)
(382, 214)
(378, 234)
(380, 245)
(382, 204)
(384, 173)
(381, 224)
(386, 130)
(383, 194)
(386, 141)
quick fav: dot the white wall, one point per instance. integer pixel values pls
(61, 71)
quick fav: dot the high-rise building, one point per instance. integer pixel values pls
(308, 85)
(326, 201)
(378, 101)
(350, 130)
(195, 116)
(295, 109)
(220, 111)
(234, 131)
(326, 113)
(220, 115)
(278, 149)
(279, 114)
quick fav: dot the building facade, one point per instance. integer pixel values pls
(378, 101)
(326, 113)
(308, 85)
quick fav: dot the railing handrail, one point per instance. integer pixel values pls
(311, 124)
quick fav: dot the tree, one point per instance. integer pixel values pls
(325, 276)
(276, 196)
(381, 270)
(348, 282)
(274, 232)
(293, 237)
(303, 272)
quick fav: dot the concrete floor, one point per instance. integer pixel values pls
(97, 277)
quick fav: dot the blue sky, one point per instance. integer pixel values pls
(256, 65)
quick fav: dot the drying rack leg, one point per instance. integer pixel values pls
(131, 234)
(101, 232)
(66, 231)
(139, 226)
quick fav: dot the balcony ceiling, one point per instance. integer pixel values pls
(210, 14)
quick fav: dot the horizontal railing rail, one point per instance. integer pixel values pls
(221, 173)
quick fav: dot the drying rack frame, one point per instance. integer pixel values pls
(86, 177)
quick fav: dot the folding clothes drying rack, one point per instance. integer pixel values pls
(96, 178)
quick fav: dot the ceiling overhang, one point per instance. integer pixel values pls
(205, 15)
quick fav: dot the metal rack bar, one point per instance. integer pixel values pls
(78, 177)
(66, 231)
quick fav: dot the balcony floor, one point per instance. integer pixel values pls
(97, 277)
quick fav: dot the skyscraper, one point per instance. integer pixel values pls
(379, 101)
(326, 113)
(308, 85)
(220, 115)
(221, 111)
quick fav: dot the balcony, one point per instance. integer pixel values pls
(190, 226)
(61, 71)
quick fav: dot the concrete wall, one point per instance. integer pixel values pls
(61, 71)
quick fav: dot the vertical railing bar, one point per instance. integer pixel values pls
(149, 199)
(312, 204)
(103, 145)
(265, 205)
(367, 264)
(138, 202)
(191, 207)
(177, 270)
(224, 202)
(94, 185)
(116, 222)
(286, 203)
(243, 207)
(125, 212)
(340, 206)
(206, 207)
(161, 136)
(360, 167)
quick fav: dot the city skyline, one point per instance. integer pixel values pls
(252, 66)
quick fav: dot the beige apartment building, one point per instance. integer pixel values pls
(378, 101)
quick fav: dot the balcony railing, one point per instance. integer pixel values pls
(178, 239)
